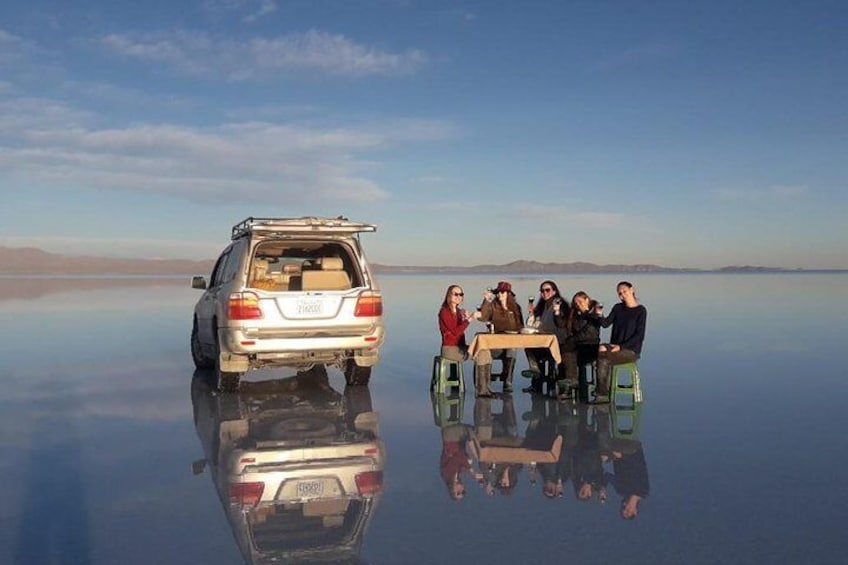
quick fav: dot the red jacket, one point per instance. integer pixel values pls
(452, 327)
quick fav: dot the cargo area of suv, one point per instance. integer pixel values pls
(289, 292)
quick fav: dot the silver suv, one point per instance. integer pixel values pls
(289, 292)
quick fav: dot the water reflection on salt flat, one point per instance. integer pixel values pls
(733, 454)
(297, 465)
(564, 449)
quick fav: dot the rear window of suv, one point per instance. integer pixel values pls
(294, 266)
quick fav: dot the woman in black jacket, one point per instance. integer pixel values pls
(583, 334)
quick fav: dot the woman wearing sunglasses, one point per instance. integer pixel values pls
(452, 323)
(543, 316)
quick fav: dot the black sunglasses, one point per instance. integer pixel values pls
(459, 294)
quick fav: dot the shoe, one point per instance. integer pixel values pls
(600, 399)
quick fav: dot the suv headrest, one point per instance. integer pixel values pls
(290, 268)
(332, 264)
(260, 268)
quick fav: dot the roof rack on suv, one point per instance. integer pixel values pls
(305, 224)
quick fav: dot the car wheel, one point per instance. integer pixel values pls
(356, 375)
(200, 360)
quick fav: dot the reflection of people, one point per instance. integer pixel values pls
(543, 317)
(630, 478)
(628, 319)
(545, 423)
(583, 327)
(497, 429)
(501, 309)
(589, 478)
(452, 323)
(454, 460)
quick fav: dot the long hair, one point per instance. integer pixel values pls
(574, 310)
(446, 301)
(542, 302)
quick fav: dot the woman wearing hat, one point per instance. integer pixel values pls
(500, 308)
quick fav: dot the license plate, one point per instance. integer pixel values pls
(307, 489)
(310, 307)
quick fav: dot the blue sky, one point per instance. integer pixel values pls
(690, 134)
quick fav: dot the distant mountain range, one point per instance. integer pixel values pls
(534, 267)
(33, 261)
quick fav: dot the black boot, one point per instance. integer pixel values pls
(508, 369)
(602, 386)
(482, 375)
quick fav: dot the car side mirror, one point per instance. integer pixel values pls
(198, 283)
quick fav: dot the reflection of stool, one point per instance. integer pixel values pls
(631, 389)
(625, 421)
(447, 409)
(446, 373)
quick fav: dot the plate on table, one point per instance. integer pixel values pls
(529, 331)
(511, 332)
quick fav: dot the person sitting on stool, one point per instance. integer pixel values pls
(628, 319)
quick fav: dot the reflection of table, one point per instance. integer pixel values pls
(483, 341)
(514, 450)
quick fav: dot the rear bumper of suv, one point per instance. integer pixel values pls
(299, 348)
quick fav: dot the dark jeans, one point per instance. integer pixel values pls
(605, 361)
(573, 359)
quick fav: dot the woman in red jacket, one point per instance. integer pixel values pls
(452, 323)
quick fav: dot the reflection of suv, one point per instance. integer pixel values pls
(297, 465)
(289, 292)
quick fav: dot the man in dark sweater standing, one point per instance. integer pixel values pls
(628, 319)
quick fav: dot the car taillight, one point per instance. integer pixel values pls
(246, 494)
(243, 306)
(369, 304)
(370, 482)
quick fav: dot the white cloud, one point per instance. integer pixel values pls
(46, 142)
(312, 51)
(265, 8)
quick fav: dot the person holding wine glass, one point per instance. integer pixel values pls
(543, 315)
(453, 321)
(501, 310)
(583, 334)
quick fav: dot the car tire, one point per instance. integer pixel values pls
(200, 360)
(356, 375)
